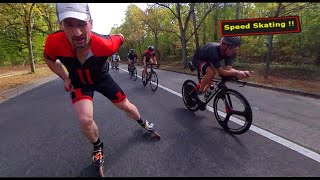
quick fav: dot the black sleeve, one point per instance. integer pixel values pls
(214, 59)
(216, 64)
(228, 61)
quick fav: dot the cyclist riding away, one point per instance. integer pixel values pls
(207, 61)
(132, 58)
(149, 56)
(84, 54)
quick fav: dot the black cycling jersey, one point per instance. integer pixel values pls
(210, 53)
(132, 56)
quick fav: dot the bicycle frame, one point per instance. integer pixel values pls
(220, 85)
(131, 66)
(151, 70)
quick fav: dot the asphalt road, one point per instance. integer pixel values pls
(40, 136)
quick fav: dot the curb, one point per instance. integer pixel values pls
(290, 91)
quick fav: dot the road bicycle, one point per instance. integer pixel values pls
(115, 66)
(151, 77)
(231, 109)
(133, 72)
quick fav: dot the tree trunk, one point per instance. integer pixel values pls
(29, 36)
(266, 68)
(204, 34)
(195, 29)
(31, 57)
(238, 10)
(156, 39)
(215, 24)
(269, 52)
(183, 49)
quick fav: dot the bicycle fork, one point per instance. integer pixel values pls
(227, 102)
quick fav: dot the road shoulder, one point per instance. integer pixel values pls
(11, 93)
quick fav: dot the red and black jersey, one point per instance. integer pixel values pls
(94, 68)
(148, 54)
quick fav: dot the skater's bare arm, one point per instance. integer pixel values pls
(57, 68)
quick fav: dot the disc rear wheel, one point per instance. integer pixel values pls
(189, 95)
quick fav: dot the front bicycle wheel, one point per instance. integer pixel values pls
(154, 81)
(232, 111)
(189, 95)
(117, 67)
(134, 73)
(144, 78)
(130, 72)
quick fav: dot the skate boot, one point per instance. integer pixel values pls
(150, 127)
(97, 156)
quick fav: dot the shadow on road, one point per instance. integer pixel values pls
(194, 122)
(89, 171)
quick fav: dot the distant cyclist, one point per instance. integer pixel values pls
(149, 56)
(115, 59)
(132, 58)
(207, 61)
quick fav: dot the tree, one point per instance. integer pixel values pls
(19, 19)
(183, 11)
(133, 27)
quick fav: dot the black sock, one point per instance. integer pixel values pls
(98, 144)
(140, 121)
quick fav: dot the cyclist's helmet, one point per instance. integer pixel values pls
(232, 40)
(132, 50)
(151, 48)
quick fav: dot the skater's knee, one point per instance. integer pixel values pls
(86, 121)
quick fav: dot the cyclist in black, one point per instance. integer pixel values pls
(84, 54)
(132, 58)
(207, 60)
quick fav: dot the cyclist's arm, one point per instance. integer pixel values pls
(57, 68)
(155, 59)
(229, 68)
(226, 72)
(247, 73)
(229, 71)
